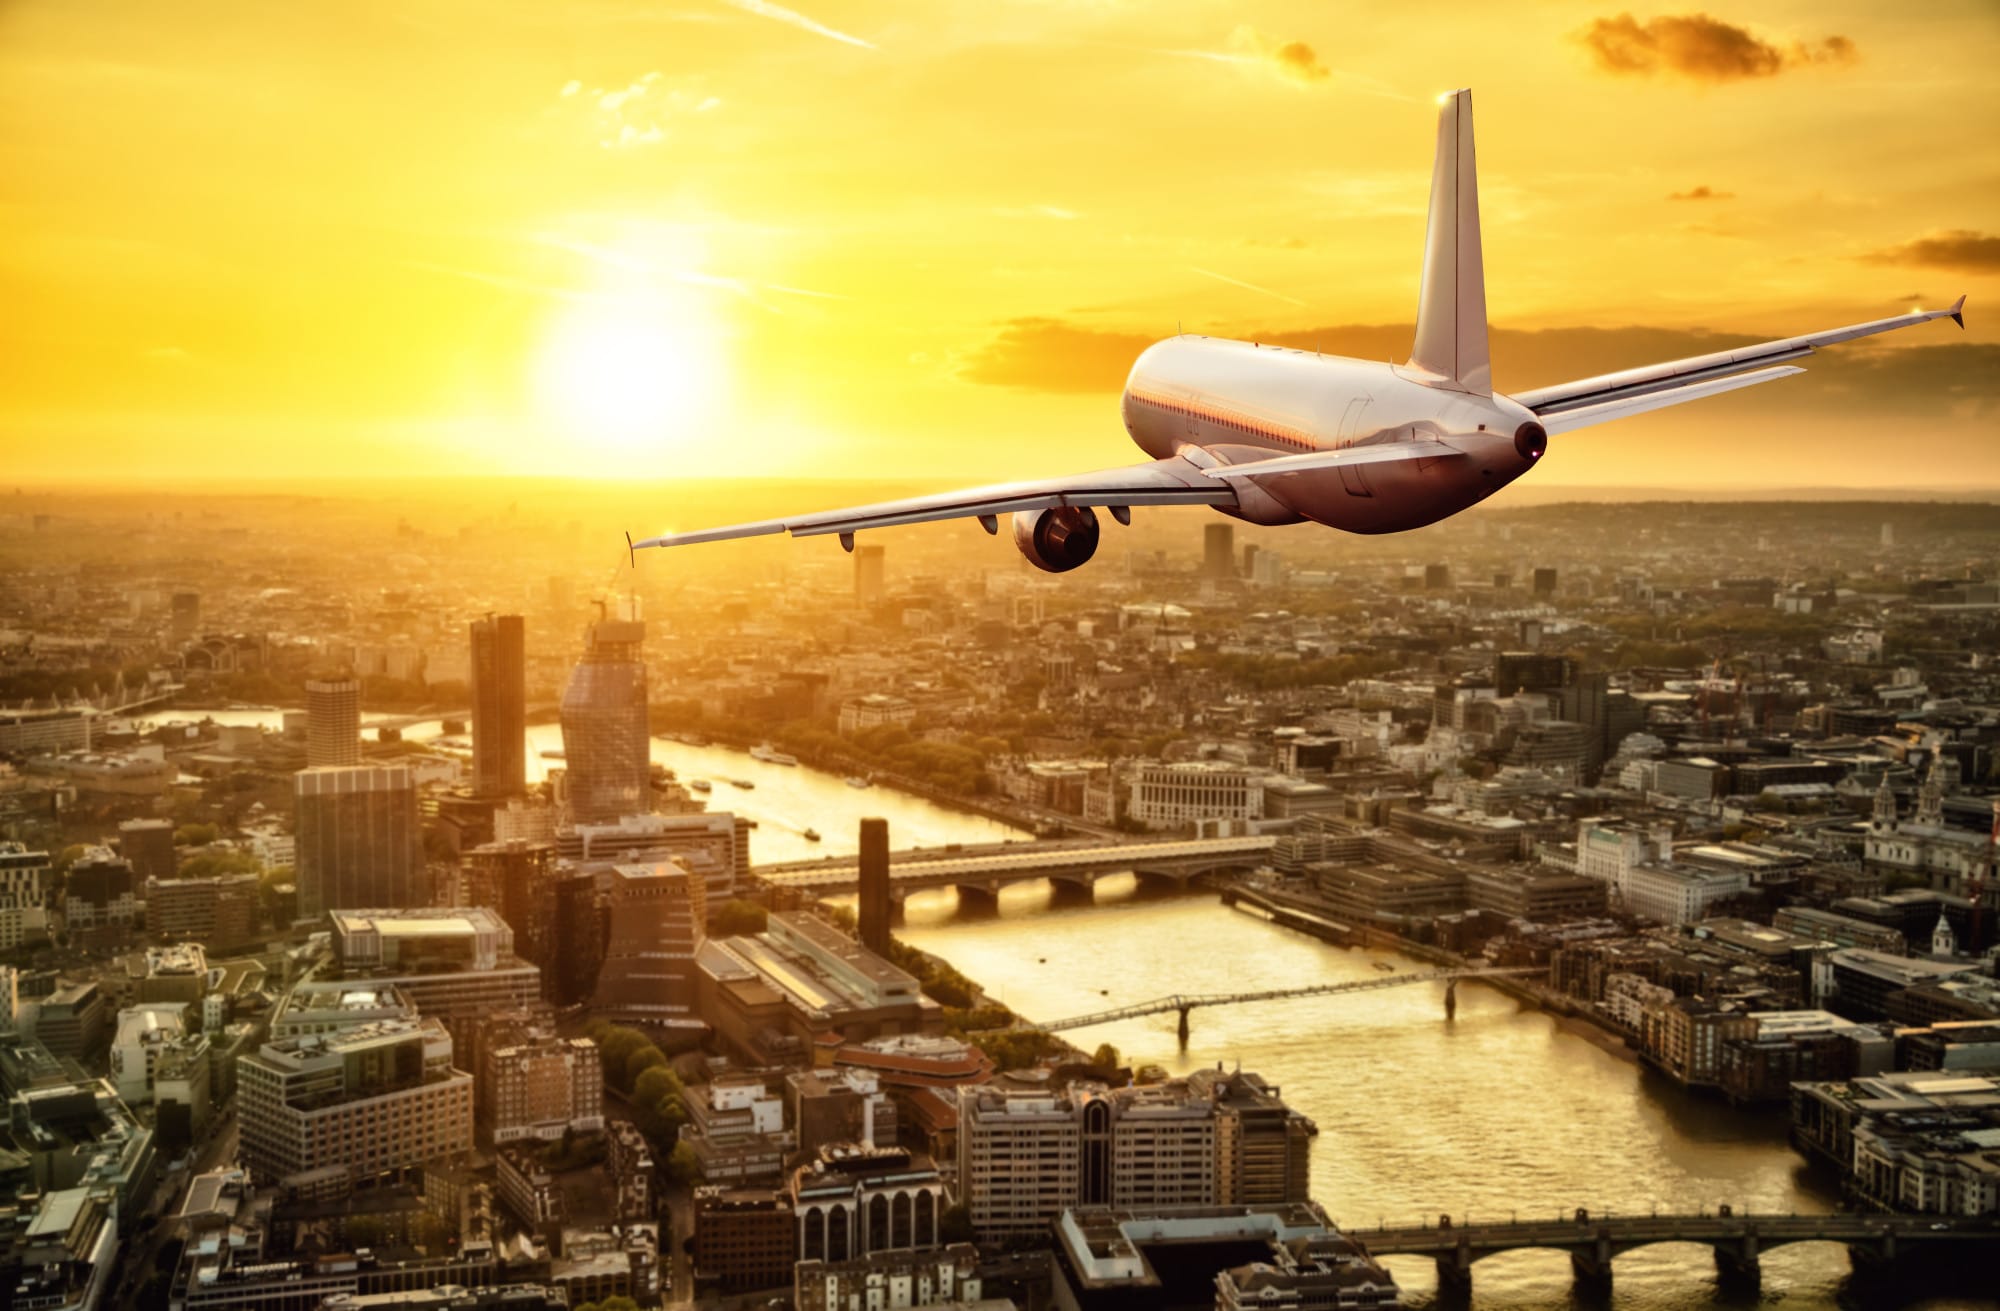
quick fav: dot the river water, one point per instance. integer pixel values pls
(1502, 1111)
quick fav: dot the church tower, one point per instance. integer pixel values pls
(1930, 801)
(1885, 806)
(1943, 941)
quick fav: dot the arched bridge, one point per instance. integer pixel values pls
(1072, 868)
(1185, 1002)
(1593, 1241)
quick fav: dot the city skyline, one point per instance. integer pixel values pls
(840, 233)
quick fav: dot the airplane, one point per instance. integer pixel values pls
(1273, 435)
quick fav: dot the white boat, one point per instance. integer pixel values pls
(701, 785)
(856, 781)
(770, 755)
(743, 783)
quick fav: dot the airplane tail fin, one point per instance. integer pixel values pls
(1451, 312)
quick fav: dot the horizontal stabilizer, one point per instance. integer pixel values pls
(1584, 416)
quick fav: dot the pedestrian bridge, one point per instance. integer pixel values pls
(1594, 1241)
(1185, 1002)
(1073, 868)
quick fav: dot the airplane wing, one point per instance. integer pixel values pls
(1614, 395)
(1172, 481)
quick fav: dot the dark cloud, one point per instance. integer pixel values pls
(1297, 59)
(1701, 193)
(1922, 380)
(1700, 47)
(1293, 60)
(1961, 248)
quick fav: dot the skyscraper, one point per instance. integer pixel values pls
(1218, 541)
(868, 584)
(358, 841)
(605, 745)
(333, 722)
(499, 706)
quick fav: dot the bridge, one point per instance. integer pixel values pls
(1187, 1002)
(1873, 1240)
(1072, 868)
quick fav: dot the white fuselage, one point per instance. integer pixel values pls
(1217, 402)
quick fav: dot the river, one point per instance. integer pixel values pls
(1502, 1111)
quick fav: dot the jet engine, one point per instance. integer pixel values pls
(1057, 539)
(1531, 440)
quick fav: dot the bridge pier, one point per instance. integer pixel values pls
(1157, 883)
(1592, 1266)
(1451, 1001)
(1184, 1027)
(1455, 1274)
(1736, 1265)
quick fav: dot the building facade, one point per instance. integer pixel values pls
(359, 839)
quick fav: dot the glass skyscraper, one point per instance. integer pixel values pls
(605, 743)
(359, 839)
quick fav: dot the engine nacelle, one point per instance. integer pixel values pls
(1057, 539)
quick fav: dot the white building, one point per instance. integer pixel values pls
(1168, 796)
(1673, 894)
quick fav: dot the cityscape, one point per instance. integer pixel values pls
(400, 915)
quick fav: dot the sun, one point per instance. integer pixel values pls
(632, 374)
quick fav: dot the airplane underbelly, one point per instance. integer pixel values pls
(1390, 497)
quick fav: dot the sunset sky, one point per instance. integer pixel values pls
(925, 237)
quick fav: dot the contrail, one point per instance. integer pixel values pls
(1247, 286)
(765, 9)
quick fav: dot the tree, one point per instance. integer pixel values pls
(738, 918)
(68, 856)
(642, 1060)
(196, 835)
(682, 1166)
(655, 1084)
(955, 1225)
(1105, 1057)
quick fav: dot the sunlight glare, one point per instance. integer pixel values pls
(632, 374)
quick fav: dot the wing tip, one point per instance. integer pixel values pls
(1958, 311)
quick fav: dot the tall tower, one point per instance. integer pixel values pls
(605, 743)
(499, 706)
(868, 575)
(1218, 550)
(874, 880)
(333, 722)
(1930, 800)
(1943, 941)
(657, 913)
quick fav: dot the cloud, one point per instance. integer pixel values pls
(627, 117)
(1247, 286)
(1291, 60)
(1914, 382)
(1703, 48)
(1702, 193)
(1960, 248)
(778, 13)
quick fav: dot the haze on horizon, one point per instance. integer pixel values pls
(727, 237)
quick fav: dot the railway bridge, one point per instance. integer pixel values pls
(1873, 1240)
(1071, 868)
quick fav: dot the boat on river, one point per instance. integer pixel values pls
(770, 755)
(701, 785)
(856, 781)
(810, 835)
(743, 783)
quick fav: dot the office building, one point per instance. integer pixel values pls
(149, 845)
(515, 879)
(75, 1022)
(874, 886)
(185, 614)
(1919, 1141)
(452, 963)
(715, 844)
(100, 893)
(220, 912)
(580, 927)
(1176, 795)
(324, 1111)
(1680, 894)
(868, 575)
(1025, 1157)
(1218, 550)
(1545, 582)
(24, 879)
(359, 841)
(657, 917)
(499, 706)
(744, 1239)
(333, 722)
(605, 744)
(1263, 1147)
(333, 1006)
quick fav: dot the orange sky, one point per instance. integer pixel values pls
(699, 237)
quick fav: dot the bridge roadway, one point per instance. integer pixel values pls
(1873, 1239)
(982, 872)
(1185, 1002)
